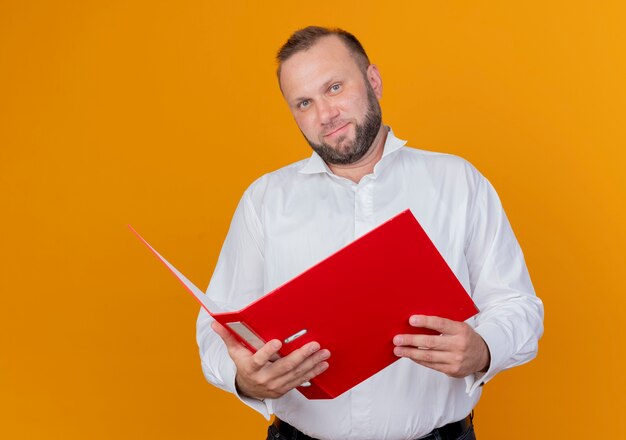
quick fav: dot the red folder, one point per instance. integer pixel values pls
(353, 303)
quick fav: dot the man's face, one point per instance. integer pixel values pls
(334, 104)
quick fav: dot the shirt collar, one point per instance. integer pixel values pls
(315, 164)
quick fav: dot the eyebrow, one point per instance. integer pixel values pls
(324, 86)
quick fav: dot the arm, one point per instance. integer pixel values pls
(510, 321)
(237, 281)
(511, 316)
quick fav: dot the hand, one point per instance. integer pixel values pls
(259, 376)
(458, 351)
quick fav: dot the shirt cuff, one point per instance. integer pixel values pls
(496, 342)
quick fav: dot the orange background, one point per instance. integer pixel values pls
(159, 114)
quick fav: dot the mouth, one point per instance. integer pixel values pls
(337, 130)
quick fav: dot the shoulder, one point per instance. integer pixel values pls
(442, 167)
(282, 178)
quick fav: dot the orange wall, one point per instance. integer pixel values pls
(159, 114)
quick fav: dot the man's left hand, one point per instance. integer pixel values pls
(458, 351)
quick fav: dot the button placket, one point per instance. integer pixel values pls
(363, 207)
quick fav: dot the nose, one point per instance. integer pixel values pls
(327, 111)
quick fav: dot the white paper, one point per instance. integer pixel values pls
(204, 300)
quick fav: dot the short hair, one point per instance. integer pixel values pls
(304, 39)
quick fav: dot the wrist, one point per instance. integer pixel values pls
(487, 358)
(242, 393)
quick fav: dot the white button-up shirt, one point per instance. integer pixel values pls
(292, 218)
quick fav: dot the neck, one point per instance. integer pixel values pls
(365, 165)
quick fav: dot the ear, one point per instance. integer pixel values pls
(375, 80)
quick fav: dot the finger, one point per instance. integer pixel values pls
(228, 338)
(431, 342)
(301, 360)
(308, 369)
(235, 348)
(267, 353)
(424, 356)
(292, 371)
(311, 363)
(441, 325)
(311, 367)
(309, 375)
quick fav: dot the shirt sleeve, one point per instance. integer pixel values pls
(236, 281)
(511, 316)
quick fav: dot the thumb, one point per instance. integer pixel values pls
(235, 348)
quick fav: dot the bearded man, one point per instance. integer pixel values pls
(360, 175)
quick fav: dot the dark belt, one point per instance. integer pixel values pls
(451, 431)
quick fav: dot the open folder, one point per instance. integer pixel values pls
(353, 303)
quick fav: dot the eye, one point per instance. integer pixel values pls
(303, 105)
(335, 87)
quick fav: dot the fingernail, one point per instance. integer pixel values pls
(397, 340)
(397, 351)
(276, 345)
(325, 354)
(323, 366)
(314, 347)
(414, 320)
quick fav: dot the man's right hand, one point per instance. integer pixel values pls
(260, 377)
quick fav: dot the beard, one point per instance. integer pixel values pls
(365, 133)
